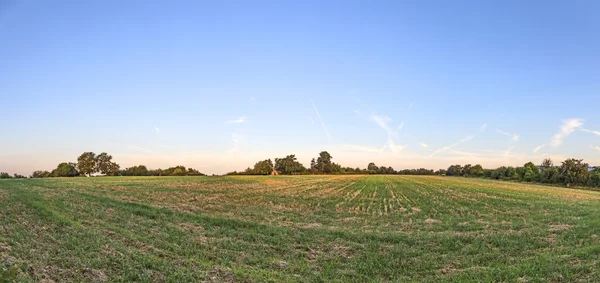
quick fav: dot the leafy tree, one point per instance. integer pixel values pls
(86, 163)
(324, 164)
(178, 172)
(40, 174)
(105, 166)
(476, 171)
(455, 170)
(4, 175)
(574, 171)
(264, 167)
(65, 169)
(288, 165)
(529, 175)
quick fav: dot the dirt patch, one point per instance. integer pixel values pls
(94, 275)
(221, 274)
(415, 209)
(432, 221)
(559, 227)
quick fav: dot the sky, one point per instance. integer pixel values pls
(219, 85)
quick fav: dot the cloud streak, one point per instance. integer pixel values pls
(157, 129)
(445, 148)
(483, 128)
(383, 122)
(537, 148)
(591, 132)
(237, 121)
(320, 119)
(514, 137)
(567, 128)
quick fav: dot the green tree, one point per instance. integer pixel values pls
(324, 162)
(105, 166)
(264, 167)
(574, 171)
(65, 169)
(288, 165)
(40, 174)
(86, 163)
(477, 171)
(4, 175)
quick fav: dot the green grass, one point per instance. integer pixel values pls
(296, 228)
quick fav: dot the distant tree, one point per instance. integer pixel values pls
(574, 171)
(65, 169)
(4, 175)
(595, 177)
(466, 171)
(40, 174)
(324, 164)
(372, 167)
(178, 172)
(288, 165)
(547, 163)
(313, 166)
(455, 170)
(86, 163)
(476, 171)
(264, 167)
(105, 166)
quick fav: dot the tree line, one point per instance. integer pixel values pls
(89, 163)
(571, 172)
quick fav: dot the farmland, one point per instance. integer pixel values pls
(296, 228)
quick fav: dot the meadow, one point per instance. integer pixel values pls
(296, 228)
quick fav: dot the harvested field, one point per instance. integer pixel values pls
(296, 228)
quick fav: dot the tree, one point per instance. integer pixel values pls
(476, 171)
(264, 167)
(86, 163)
(4, 175)
(313, 166)
(65, 169)
(105, 166)
(547, 163)
(574, 171)
(529, 175)
(40, 174)
(455, 170)
(178, 172)
(324, 162)
(288, 165)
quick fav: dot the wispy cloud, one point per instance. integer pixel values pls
(423, 145)
(383, 122)
(356, 111)
(507, 152)
(445, 148)
(237, 121)
(142, 150)
(514, 137)
(320, 119)
(567, 128)
(595, 147)
(591, 131)
(237, 141)
(537, 148)
(157, 129)
(483, 127)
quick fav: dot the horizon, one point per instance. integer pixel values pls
(218, 86)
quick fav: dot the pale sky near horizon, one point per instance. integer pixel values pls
(219, 85)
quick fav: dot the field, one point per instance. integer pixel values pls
(296, 228)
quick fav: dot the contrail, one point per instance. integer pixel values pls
(321, 119)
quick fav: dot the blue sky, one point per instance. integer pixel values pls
(218, 85)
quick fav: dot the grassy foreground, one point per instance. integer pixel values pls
(296, 228)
